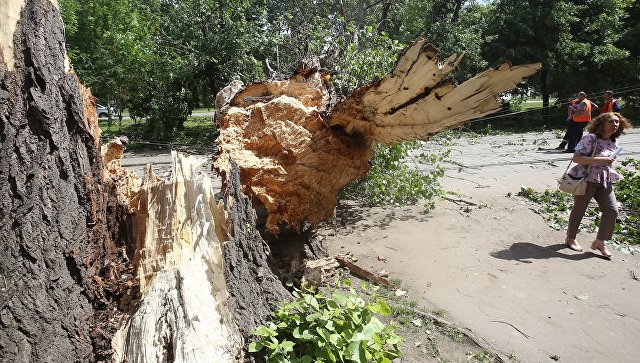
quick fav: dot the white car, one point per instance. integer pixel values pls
(103, 111)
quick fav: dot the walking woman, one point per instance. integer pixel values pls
(604, 131)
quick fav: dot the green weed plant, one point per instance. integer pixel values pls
(401, 174)
(328, 327)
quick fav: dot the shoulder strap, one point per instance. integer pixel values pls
(593, 153)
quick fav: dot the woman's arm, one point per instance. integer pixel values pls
(589, 160)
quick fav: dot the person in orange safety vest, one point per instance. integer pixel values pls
(580, 115)
(565, 138)
(610, 103)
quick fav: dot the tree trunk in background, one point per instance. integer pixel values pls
(54, 234)
(544, 89)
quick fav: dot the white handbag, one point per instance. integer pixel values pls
(568, 184)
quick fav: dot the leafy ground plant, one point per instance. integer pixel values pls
(328, 327)
(554, 206)
(397, 177)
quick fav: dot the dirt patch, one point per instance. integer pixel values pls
(494, 266)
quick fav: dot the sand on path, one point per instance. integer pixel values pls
(496, 267)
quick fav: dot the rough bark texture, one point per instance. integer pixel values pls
(296, 151)
(252, 279)
(53, 225)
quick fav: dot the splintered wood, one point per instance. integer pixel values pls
(183, 312)
(289, 159)
(319, 271)
(295, 153)
(418, 98)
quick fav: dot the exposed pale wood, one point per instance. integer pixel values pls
(417, 99)
(289, 159)
(183, 314)
(296, 152)
(318, 271)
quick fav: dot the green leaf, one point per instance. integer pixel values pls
(354, 352)
(287, 346)
(255, 347)
(374, 326)
(313, 317)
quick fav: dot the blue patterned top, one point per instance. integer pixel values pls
(598, 173)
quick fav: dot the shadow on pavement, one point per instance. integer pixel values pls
(524, 251)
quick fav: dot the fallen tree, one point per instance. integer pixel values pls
(297, 148)
(98, 265)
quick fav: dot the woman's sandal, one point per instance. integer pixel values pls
(599, 245)
(572, 244)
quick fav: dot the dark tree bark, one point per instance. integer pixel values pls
(252, 279)
(54, 236)
(384, 16)
(456, 10)
(96, 267)
(544, 89)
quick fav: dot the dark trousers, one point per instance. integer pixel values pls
(574, 133)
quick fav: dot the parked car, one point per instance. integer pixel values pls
(102, 111)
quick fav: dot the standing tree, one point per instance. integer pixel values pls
(109, 43)
(571, 39)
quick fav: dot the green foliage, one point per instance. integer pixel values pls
(161, 59)
(371, 60)
(570, 38)
(331, 327)
(451, 31)
(628, 194)
(554, 206)
(110, 46)
(395, 177)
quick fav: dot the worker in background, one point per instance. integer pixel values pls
(565, 139)
(610, 103)
(580, 116)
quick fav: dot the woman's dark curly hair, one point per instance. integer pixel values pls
(596, 126)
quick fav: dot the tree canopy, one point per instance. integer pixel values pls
(162, 58)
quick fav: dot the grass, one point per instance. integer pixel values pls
(198, 135)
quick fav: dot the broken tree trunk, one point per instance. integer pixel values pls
(296, 149)
(183, 314)
(206, 277)
(97, 265)
(55, 209)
